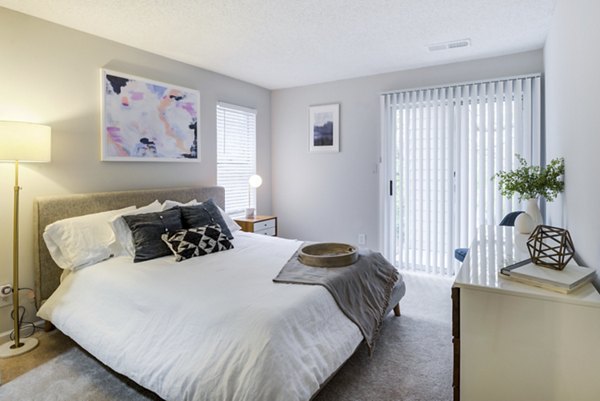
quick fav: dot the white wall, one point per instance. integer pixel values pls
(334, 197)
(51, 75)
(572, 64)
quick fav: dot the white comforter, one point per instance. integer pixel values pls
(209, 328)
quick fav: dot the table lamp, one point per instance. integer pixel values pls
(254, 181)
(21, 142)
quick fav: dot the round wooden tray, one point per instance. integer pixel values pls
(328, 254)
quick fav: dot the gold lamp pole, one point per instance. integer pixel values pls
(23, 142)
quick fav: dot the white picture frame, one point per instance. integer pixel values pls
(148, 121)
(324, 128)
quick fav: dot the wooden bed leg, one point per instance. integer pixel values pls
(48, 326)
(397, 309)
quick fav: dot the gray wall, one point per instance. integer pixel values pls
(572, 62)
(51, 75)
(334, 197)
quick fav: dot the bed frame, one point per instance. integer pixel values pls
(48, 209)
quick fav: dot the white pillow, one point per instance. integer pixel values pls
(123, 241)
(231, 224)
(81, 241)
(168, 204)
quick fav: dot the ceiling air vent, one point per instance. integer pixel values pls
(455, 44)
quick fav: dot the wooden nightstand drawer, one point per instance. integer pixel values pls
(267, 231)
(264, 225)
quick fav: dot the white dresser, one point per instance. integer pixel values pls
(514, 342)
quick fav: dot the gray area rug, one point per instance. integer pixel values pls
(411, 362)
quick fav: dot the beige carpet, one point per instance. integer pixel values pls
(412, 362)
(51, 345)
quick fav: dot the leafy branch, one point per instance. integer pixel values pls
(529, 182)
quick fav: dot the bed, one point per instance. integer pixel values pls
(213, 327)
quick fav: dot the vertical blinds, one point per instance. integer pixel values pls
(236, 155)
(442, 146)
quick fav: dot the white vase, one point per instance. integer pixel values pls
(533, 210)
(524, 223)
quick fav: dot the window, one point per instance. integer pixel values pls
(441, 147)
(236, 155)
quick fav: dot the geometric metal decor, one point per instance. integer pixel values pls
(550, 247)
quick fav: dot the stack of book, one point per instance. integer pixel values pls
(564, 281)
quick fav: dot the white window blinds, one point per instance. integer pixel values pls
(236, 155)
(441, 147)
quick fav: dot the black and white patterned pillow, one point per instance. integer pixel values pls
(186, 244)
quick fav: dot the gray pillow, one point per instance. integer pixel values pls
(204, 214)
(147, 229)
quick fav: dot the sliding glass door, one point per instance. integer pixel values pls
(440, 149)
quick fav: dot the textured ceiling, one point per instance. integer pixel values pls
(285, 43)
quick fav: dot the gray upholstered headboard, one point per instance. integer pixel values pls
(48, 209)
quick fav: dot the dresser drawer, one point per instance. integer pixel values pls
(267, 231)
(265, 225)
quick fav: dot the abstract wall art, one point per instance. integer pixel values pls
(145, 120)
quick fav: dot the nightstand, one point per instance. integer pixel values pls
(266, 225)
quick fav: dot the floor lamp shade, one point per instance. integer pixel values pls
(24, 142)
(21, 142)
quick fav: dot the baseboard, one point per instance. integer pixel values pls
(5, 336)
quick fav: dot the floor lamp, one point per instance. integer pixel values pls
(21, 142)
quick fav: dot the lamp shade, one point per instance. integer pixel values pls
(24, 142)
(255, 181)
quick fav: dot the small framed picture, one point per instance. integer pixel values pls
(324, 135)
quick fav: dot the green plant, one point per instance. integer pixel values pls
(529, 182)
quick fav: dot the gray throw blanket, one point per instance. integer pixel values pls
(361, 290)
